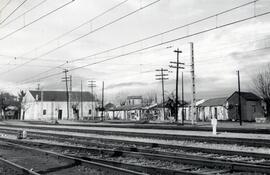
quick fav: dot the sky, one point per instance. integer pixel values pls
(37, 42)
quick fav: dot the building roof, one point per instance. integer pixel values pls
(62, 96)
(134, 97)
(249, 96)
(109, 106)
(127, 107)
(214, 102)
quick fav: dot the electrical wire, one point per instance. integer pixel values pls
(29, 10)
(36, 20)
(156, 35)
(162, 33)
(78, 38)
(13, 12)
(77, 27)
(168, 41)
(1, 10)
(98, 62)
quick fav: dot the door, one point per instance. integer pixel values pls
(60, 114)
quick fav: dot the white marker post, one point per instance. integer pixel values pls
(214, 126)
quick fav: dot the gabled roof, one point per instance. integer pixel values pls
(127, 107)
(134, 97)
(62, 96)
(249, 96)
(214, 102)
(109, 106)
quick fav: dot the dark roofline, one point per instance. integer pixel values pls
(222, 99)
(241, 95)
(61, 95)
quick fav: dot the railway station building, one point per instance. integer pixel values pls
(52, 105)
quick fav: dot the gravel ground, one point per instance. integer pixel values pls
(186, 143)
(4, 170)
(234, 147)
(37, 162)
(137, 161)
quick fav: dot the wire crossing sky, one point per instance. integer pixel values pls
(123, 42)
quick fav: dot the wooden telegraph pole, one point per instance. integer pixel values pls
(177, 67)
(102, 102)
(92, 84)
(81, 100)
(193, 91)
(239, 99)
(183, 101)
(162, 77)
(66, 79)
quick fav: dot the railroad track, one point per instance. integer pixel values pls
(158, 126)
(7, 167)
(28, 160)
(209, 139)
(196, 163)
(134, 145)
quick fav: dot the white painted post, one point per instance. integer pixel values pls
(214, 126)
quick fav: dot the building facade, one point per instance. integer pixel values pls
(53, 105)
(251, 106)
(213, 108)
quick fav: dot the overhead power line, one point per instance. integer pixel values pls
(166, 42)
(155, 45)
(29, 10)
(13, 12)
(1, 10)
(75, 28)
(36, 20)
(99, 28)
(162, 33)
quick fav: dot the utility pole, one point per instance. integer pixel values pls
(81, 100)
(70, 83)
(92, 84)
(70, 91)
(177, 67)
(65, 79)
(102, 102)
(162, 77)
(193, 99)
(239, 99)
(41, 99)
(183, 102)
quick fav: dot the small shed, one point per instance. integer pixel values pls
(251, 107)
(214, 107)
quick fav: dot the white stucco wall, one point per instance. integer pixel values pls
(34, 110)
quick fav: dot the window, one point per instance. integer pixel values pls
(254, 108)
(90, 111)
(44, 111)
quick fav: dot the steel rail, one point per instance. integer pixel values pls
(210, 139)
(186, 159)
(106, 168)
(19, 169)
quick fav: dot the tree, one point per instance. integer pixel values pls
(120, 98)
(262, 86)
(149, 98)
(7, 99)
(21, 94)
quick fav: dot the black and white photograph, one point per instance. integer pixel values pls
(134, 87)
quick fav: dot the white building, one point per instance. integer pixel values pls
(52, 105)
(134, 100)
